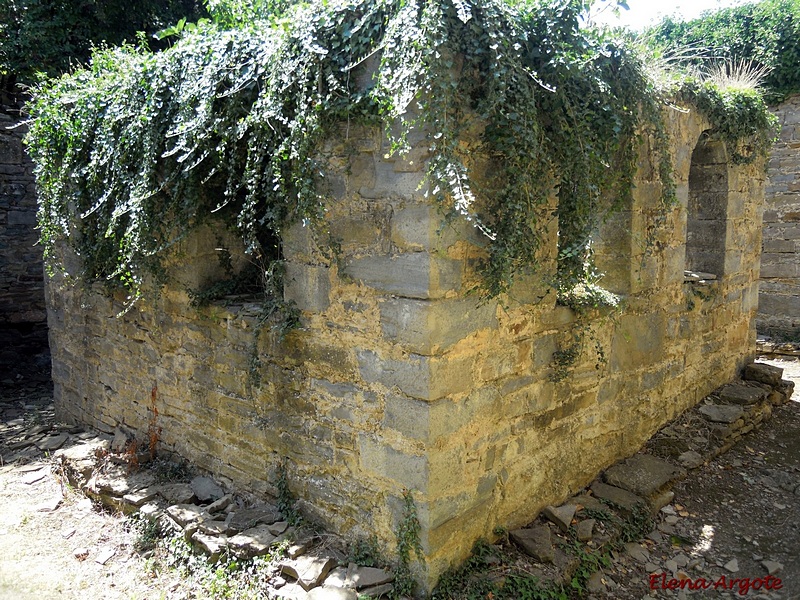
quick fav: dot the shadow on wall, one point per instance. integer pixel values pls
(23, 317)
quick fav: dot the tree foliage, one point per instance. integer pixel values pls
(766, 32)
(54, 36)
(139, 148)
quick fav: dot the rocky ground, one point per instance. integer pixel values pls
(734, 518)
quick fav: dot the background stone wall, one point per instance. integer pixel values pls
(779, 299)
(399, 379)
(22, 308)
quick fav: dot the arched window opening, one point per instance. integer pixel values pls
(706, 228)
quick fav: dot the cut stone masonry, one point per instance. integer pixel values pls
(779, 296)
(397, 378)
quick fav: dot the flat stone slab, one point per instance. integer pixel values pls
(211, 544)
(52, 442)
(362, 577)
(109, 483)
(252, 542)
(585, 530)
(220, 505)
(139, 497)
(636, 552)
(586, 501)
(536, 542)
(87, 451)
(309, 571)
(176, 493)
(332, 593)
(771, 566)
(206, 489)
(278, 528)
(104, 555)
(561, 515)
(338, 578)
(186, 514)
(377, 591)
(722, 413)
(691, 459)
(763, 373)
(250, 517)
(617, 496)
(739, 393)
(213, 527)
(643, 474)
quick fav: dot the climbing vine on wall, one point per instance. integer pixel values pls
(135, 151)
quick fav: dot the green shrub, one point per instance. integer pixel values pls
(55, 36)
(766, 32)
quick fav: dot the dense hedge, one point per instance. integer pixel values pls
(767, 32)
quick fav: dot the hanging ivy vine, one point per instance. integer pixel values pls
(135, 151)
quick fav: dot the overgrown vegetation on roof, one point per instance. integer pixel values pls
(135, 151)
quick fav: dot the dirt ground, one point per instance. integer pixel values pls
(53, 554)
(737, 511)
(728, 517)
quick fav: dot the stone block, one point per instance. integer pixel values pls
(359, 232)
(763, 373)
(561, 515)
(414, 275)
(721, 413)
(309, 287)
(643, 474)
(423, 227)
(536, 542)
(251, 542)
(390, 184)
(429, 327)
(408, 470)
(426, 378)
(298, 242)
(776, 246)
(636, 340)
(309, 571)
(22, 217)
(10, 149)
(409, 416)
(737, 393)
(624, 499)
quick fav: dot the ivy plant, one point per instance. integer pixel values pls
(139, 148)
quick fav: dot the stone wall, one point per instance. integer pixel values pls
(779, 298)
(398, 379)
(22, 307)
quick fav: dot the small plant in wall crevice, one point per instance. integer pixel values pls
(408, 544)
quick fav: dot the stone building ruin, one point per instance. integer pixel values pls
(398, 379)
(23, 317)
(779, 297)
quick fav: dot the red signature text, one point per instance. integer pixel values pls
(660, 581)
